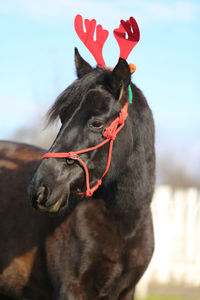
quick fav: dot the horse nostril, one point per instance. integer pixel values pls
(70, 161)
(42, 195)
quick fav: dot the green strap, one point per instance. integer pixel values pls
(130, 94)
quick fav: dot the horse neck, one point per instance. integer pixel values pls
(126, 200)
(130, 195)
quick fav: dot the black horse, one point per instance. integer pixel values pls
(95, 248)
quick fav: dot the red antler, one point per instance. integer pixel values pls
(95, 47)
(126, 45)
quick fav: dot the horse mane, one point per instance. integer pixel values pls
(69, 100)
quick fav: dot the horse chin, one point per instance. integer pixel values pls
(56, 207)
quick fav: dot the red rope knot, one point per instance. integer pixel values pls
(73, 155)
(110, 133)
(99, 182)
(89, 193)
(122, 116)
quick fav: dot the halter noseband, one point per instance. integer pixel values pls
(110, 134)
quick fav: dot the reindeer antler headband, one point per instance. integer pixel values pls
(126, 45)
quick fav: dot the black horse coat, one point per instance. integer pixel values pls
(95, 248)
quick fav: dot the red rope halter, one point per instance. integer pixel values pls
(110, 134)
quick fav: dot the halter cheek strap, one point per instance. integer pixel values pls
(110, 134)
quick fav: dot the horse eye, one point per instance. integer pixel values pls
(70, 161)
(96, 124)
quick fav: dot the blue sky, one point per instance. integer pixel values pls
(37, 41)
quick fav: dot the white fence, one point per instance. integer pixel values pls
(176, 218)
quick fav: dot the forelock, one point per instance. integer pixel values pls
(72, 96)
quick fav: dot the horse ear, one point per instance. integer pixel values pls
(121, 78)
(82, 67)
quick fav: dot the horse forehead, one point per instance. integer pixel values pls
(99, 92)
(97, 98)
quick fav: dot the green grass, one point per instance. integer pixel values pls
(161, 298)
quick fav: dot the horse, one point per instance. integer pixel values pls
(75, 245)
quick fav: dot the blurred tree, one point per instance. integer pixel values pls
(38, 133)
(174, 172)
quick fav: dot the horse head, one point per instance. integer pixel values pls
(105, 146)
(86, 108)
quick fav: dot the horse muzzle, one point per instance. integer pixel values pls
(51, 202)
(50, 187)
(45, 199)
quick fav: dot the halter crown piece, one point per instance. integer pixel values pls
(131, 29)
